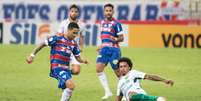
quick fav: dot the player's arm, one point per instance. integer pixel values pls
(158, 78)
(30, 58)
(81, 41)
(79, 59)
(120, 35)
(76, 53)
(119, 38)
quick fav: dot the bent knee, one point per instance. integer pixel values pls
(70, 84)
(75, 70)
(100, 67)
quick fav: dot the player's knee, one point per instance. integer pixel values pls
(161, 99)
(70, 84)
(75, 69)
(99, 68)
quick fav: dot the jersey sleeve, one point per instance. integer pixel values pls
(51, 40)
(118, 29)
(82, 27)
(76, 50)
(138, 74)
(61, 27)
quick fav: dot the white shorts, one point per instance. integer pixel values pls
(73, 60)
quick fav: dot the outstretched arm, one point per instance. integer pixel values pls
(81, 42)
(30, 58)
(79, 59)
(158, 78)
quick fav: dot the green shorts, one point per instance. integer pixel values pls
(142, 97)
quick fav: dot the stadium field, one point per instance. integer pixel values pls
(20, 81)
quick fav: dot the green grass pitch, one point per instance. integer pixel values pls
(20, 81)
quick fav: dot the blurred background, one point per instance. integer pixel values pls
(161, 37)
(146, 23)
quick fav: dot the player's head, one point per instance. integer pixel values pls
(125, 65)
(74, 12)
(73, 30)
(108, 11)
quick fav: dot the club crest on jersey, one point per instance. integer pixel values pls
(50, 39)
(114, 61)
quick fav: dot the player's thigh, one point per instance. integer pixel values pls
(62, 75)
(115, 56)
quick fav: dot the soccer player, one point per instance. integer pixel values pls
(73, 17)
(109, 50)
(62, 46)
(129, 83)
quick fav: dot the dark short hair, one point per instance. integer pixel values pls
(127, 60)
(74, 6)
(108, 5)
(72, 25)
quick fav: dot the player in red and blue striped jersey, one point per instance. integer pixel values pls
(109, 51)
(62, 45)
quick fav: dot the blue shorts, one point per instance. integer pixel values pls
(62, 75)
(109, 55)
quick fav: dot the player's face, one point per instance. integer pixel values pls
(73, 13)
(108, 12)
(72, 33)
(124, 68)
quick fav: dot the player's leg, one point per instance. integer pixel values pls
(67, 92)
(64, 82)
(100, 65)
(103, 79)
(75, 66)
(116, 55)
(143, 97)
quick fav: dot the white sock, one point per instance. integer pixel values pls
(103, 79)
(66, 94)
(161, 99)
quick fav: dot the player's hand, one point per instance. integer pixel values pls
(85, 62)
(113, 38)
(30, 59)
(169, 82)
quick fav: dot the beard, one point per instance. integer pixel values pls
(73, 18)
(109, 17)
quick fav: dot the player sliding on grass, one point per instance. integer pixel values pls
(62, 45)
(129, 83)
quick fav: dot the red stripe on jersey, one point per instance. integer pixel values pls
(56, 65)
(59, 57)
(105, 36)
